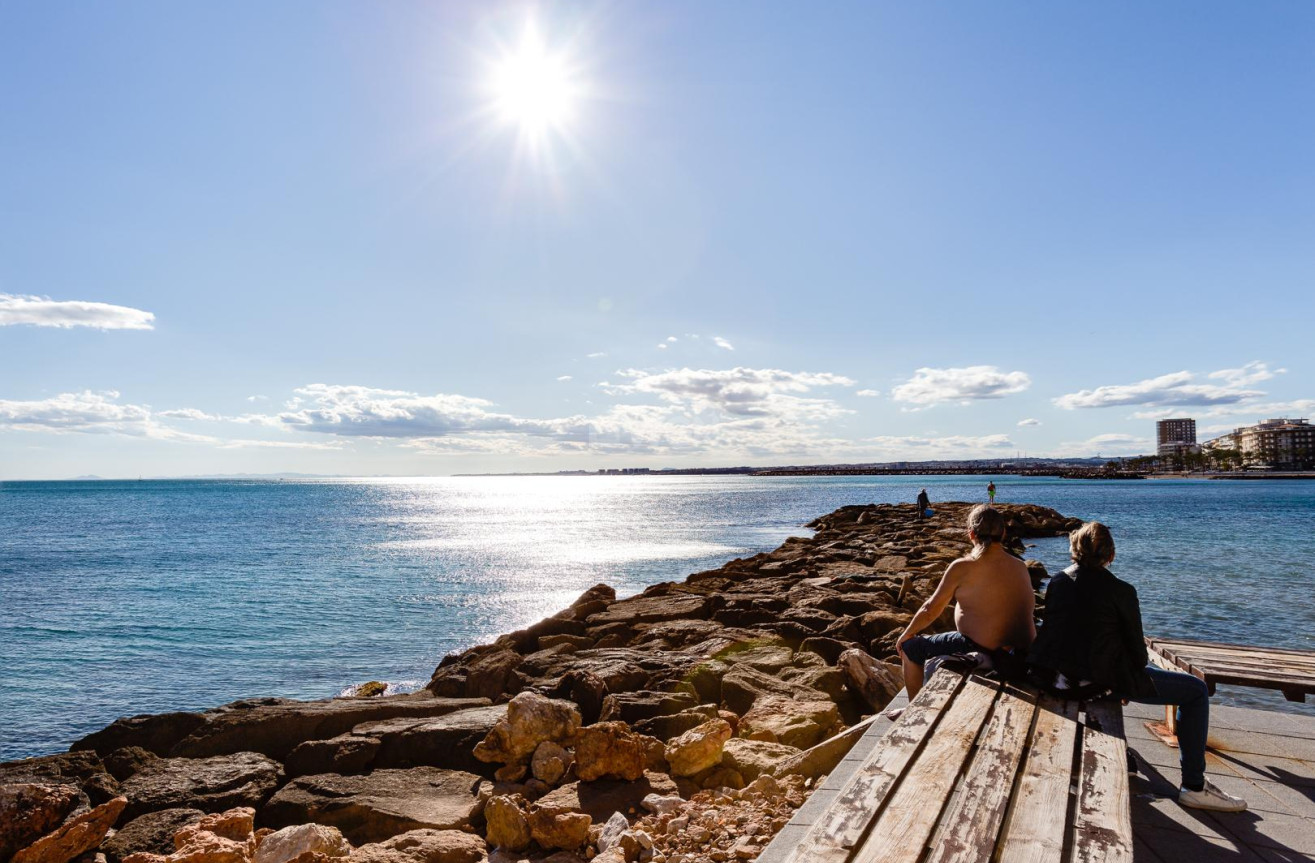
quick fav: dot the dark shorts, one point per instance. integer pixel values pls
(920, 648)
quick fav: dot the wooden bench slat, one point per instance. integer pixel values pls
(973, 822)
(914, 808)
(846, 820)
(1032, 832)
(1173, 643)
(1102, 824)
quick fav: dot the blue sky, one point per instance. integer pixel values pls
(306, 236)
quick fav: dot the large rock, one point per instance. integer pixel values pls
(287, 844)
(273, 729)
(382, 804)
(444, 741)
(74, 837)
(609, 749)
(601, 798)
(209, 784)
(553, 828)
(633, 707)
(743, 685)
(794, 722)
(699, 748)
(531, 719)
(152, 833)
(874, 681)
(550, 762)
(223, 837)
(507, 825)
(157, 733)
(424, 846)
(652, 609)
(29, 811)
(752, 758)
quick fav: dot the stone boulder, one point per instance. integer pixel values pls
(274, 727)
(223, 837)
(550, 762)
(753, 758)
(287, 844)
(381, 804)
(29, 811)
(76, 836)
(557, 828)
(601, 798)
(699, 748)
(609, 749)
(424, 846)
(794, 722)
(152, 833)
(632, 707)
(531, 719)
(507, 825)
(767, 658)
(874, 681)
(209, 784)
(156, 733)
(654, 609)
(743, 685)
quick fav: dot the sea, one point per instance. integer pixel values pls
(121, 598)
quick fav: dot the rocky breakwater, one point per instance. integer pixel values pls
(681, 725)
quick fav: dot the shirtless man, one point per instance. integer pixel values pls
(994, 602)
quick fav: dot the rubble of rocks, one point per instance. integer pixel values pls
(681, 725)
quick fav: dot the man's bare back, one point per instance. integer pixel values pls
(993, 599)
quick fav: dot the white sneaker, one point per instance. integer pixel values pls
(1212, 798)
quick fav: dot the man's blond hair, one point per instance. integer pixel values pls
(1091, 545)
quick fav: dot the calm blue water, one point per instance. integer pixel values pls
(130, 597)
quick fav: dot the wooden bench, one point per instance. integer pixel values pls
(975, 770)
(1291, 672)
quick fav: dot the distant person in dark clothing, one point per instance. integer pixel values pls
(1090, 642)
(924, 504)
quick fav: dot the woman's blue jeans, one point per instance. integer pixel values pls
(1193, 701)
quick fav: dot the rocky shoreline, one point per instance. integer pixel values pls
(681, 725)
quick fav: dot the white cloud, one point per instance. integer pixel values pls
(722, 343)
(1176, 389)
(45, 312)
(87, 411)
(595, 355)
(672, 339)
(916, 448)
(1029, 422)
(868, 394)
(738, 391)
(187, 414)
(662, 346)
(257, 398)
(563, 378)
(930, 386)
(1252, 373)
(1110, 444)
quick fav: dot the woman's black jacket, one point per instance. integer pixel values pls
(1091, 630)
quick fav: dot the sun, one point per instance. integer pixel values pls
(534, 88)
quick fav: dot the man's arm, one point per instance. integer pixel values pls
(933, 607)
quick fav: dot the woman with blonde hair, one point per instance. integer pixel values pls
(1091, 643)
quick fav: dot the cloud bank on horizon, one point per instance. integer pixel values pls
(741, 412)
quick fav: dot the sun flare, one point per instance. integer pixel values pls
(533, 87)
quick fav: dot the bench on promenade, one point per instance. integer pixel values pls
(976, 770)
(1291, 672)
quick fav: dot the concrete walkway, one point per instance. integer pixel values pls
(1264, 757)
(1267, 758)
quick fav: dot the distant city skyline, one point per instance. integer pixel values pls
(492, 237)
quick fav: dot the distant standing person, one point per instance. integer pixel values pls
(990, 491)
(924, 504)
(1091, 641)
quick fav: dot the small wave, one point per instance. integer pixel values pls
(391, 687)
